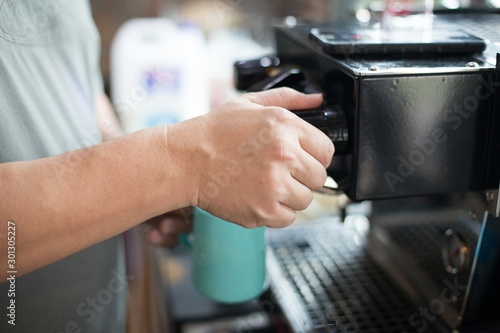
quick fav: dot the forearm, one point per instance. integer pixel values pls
(106, 118)
(65, 203)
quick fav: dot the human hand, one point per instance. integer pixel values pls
(167, 227)
(256, 162)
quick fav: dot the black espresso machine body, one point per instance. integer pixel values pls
(417, 126)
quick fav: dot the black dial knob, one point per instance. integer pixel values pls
(331, 121)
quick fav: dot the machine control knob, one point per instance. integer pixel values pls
(331, 121)
(455, 252)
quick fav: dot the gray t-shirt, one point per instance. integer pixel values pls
(49, 76)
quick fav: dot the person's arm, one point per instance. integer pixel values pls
(247, 162)
(107, 121)
(166, 228)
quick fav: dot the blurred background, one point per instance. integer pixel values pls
(256, 16)
(212, 16)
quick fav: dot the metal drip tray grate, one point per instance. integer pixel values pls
(326, 282)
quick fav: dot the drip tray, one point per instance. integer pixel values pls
(325, 281)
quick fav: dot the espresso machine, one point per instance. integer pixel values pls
(418, 137)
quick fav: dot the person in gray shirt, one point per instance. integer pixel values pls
(66, 195)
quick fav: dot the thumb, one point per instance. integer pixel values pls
(286, 98)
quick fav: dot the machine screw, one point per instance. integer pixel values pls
(472, 215)
(472, 64)
(373, 68)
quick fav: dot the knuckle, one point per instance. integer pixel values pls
(271, 121)
(285, 92)
(263, 216)
(251, 97)
(288, 219)
(277, 115)
(275, 186)
(320, 179)
(279, 217)
(251, 224)
(282, 151)
(306, 201)
(282, 219)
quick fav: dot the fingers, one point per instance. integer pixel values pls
(167, 228)
(284, 217)
(173, 225)
(311, 139)
(181, 214)
(316, 143)
(286, 98)
(155, 237)
(295, 196)
(298, 196)
(308, 171)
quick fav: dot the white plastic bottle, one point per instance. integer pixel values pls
(158, 73)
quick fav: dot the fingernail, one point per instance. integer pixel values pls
(318, 95)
